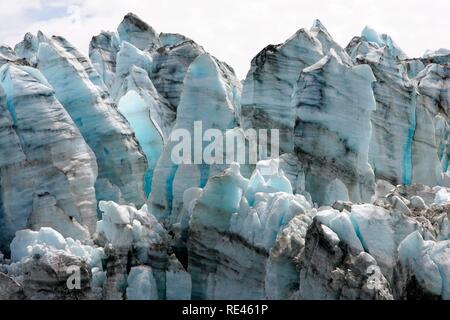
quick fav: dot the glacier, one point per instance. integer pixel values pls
(355, 206)
(48, 170)
(96, 117)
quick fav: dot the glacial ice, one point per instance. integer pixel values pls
(328, 145)
(124, 226)
(141, 284)
(429, 260)
(103, 50)
(170, 65)
(341, 224)
(8, 55)
(103, 127)
(269, 84)
(270, 212)
(215, 108)
(356, 207)
(172, 39)
(135, 31)
(178, 281)
(28, 243)
(398, 142)
(233, 227)
(134, 108)
(128, 56)
(47, 170)
(383, 40)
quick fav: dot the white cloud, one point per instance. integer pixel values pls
(234, 30)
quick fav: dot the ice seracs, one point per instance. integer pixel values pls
(228, 232)
(332, 143)
(8, 55)
(137, 32)
(267, 89)
(134, 237)
(355, 207)
(170, 65)
(208, 97)
(120, 178)
(47, 170)
(424, 265)
(103, 50)
(398, 89)
(141, 284)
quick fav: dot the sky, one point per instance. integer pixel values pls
(234, 30)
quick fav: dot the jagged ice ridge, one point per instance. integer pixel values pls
(357, 206)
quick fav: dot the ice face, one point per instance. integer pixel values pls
(269, 214)
(141, 284)
(172, 39)
(120, 178)
(400, 117)
(178, 281)
(171, 53)
(242, 233)
(432, 83)
(323, 133)
(267, 90)
(128, 56)
(7, 55)
(170, 67)
(214, 106)
(135, 31)
(28, 243)
(124, 226)
(383, 40)
(134, 108)
(429, 262)
(48, 171)
(342, 225)
(103, 50)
